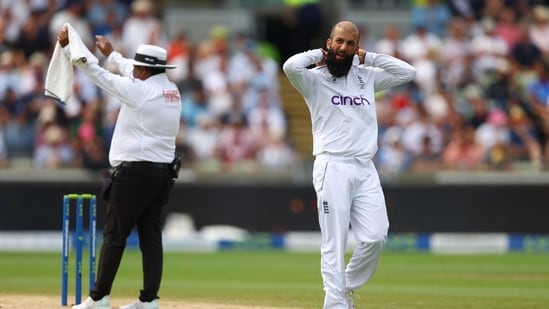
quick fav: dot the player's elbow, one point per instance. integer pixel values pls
(410, 74)
(287, 67)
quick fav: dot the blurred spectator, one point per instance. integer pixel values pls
(203, 138)
(464, 78)
(104, 15)
(507, 27)
(392, 157)
(32, 75)
(524, 145)
(499, 157)
(539, 29)
(276, 154)
(427, 160)
(9, 74)
(89, 141)
(84, 93)
(455, 49)
(195, 103)
(19, 130)
(210, 65)
(179, 54)
(391, 42)
(434, 15)
(47, 116)
(73, 13)
(241, 67)
(437, 105)
(234, 112)
(93, 155)
(249, 74)
(217, 86)
(502, 86)
(266, 118)
(538, 95)
(523, 8)
(492, 8)
(494, 137)
(463, 152)
(55, 151)
(13, 15)
(478, 112)
(12, 103)
(366, 39)
(416, 130)
(488, 48)
(34, 35)
(422, 49)
(142, 27)
(525, 53)
(236, 145)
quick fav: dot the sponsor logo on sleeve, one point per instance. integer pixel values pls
(171, 95)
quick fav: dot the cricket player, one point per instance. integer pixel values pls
(339, 92)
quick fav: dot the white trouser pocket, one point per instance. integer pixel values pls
(319, 173)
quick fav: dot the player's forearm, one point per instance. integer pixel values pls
(296, 70)
(299, 62)
(401, 70)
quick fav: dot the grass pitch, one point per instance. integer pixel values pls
(282, 279)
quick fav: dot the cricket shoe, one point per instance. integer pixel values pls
(89, 303)
(142, 305)
(350, 298)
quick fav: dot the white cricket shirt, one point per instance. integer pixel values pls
(149, 117)
(343, 110)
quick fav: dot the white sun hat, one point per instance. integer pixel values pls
(151, 56)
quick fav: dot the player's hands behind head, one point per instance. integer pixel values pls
(361, 55)
(104, 45)
(325, 55)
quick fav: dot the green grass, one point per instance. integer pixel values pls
(281, 279)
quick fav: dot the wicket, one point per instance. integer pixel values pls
(79, 242)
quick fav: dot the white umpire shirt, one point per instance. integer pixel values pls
(343, 110)
(149, 117)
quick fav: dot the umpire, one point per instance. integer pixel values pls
(142, 156)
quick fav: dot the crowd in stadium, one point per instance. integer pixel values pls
(481, 95)
(480, 99)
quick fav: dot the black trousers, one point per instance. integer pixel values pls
(137, 198)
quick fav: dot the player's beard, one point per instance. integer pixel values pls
(337, 67)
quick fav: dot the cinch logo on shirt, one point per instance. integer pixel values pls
(348, 100)
(171, 95)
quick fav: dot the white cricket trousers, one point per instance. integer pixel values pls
(349, 194)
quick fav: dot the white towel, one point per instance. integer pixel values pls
(59, 77)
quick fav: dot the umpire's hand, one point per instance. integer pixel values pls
(63, 36)
(104, 45)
